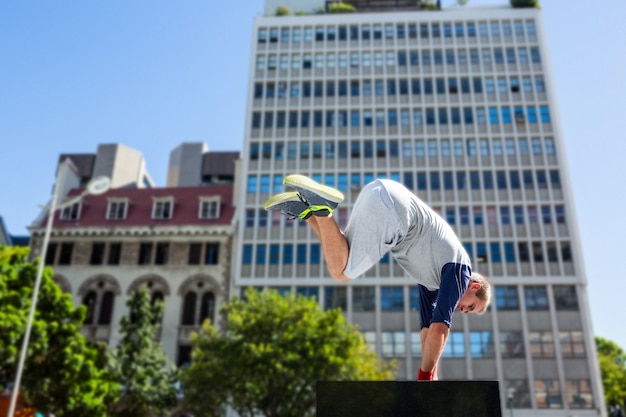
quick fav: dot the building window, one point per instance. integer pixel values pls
(211, 254)
(541, 344)
(99, 307)
(310, 292)
(511, 344)
(189, 309)
(392, 299)
(300, 254)
(455, 346)
(520, 391)
(579, 393)
(507, 298)
(117, 210)
(207, 307)
(89, 301)
(209, 209)
(572, 344)
(393, 344)
(71, 212)
(287, 254)
(162, 253)
(416, 345)
(106, 309)
(115, 252)
(97, 253)
(262, 35)
(162, 209)
(183, 359)
(51, 253)
(565, 297)
(335, 297)
(509, 252)
(145, 254)
(363, 299)
(536, 297)
(198, 306)
(65, 257)
(195, 253)
(261, 251)
(548, 393)
(481, 344)
(247, 252)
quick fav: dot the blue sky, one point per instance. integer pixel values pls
(153, 74)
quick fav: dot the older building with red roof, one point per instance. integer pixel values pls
(176, 240)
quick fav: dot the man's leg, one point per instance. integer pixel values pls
(373, 228)
(296, 205)
(334, 245)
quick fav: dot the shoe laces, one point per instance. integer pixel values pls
(292, 216)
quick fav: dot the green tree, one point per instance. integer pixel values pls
(282, 11)
(525, 3)
(427, 4)
(273, 353)
(64, 373)
(148, 386)
(341, 7)
(612, 360)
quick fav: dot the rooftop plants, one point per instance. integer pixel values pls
(525, 3)
(282, 11)
(341, 7)
(426, 5)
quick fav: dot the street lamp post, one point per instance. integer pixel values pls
(98, 185)
(510, 395)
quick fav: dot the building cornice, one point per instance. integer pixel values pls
(138, 231)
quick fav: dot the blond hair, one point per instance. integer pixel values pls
(484, 293)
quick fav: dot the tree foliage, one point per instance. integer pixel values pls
(141, 366)
(64, 373)
(273, 353)
(427, 5)
(525, 3)
(612, 360)
(341, 7)
(283, 11)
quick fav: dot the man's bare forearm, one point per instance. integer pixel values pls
(433, 341)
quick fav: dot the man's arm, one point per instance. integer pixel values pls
(433, 341)
(437, 317)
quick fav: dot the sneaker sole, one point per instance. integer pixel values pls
(306, 183)
(278, 199)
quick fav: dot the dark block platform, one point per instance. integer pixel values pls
(408, 399)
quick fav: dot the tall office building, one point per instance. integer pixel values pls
(458, 105)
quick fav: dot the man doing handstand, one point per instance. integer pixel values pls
(387, 217)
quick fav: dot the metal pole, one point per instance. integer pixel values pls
(33, 303)
(510, 397)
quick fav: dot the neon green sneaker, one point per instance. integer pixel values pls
(290, 204)
(319, 197)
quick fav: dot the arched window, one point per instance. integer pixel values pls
(207, 307)
(106, 308)
(189, 309)
(89, 300)
(157, 296)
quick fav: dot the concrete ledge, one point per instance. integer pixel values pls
(408, 399)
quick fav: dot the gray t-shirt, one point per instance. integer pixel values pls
(388, 217)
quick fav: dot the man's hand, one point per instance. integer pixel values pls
(433, 341)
